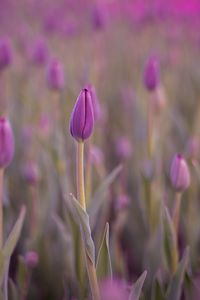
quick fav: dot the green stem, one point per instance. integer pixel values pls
(1, 207)
(176, 212)
(91, 270)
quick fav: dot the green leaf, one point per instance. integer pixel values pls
(175, 287)
(137, 287)
(104, 267)
(13, 237)
(82, 219)
(100, 194)
(13, 292)
(11, 242)
(157, 293)
(170, 242)
(22, 273)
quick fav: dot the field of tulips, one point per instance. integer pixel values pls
(99, 150)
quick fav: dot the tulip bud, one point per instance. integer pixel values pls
(99, 17)
(6, 143)
(31, 259)
(123, 148)
(39, 52)
(179, 173)
(5, 54)
(152, 74)
(55, 75)
(30, 173)
(82, 118)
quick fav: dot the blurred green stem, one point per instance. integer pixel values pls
(150, 129)
(91, 270)
(176, 212)
(148, 197)
(88, 174)
(1, 207)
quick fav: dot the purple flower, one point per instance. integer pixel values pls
(152, 74)
(39, 52)
(55, 75)
(179, 173)
(5, 53)
(30, 172)
(99, 17)
(6, 143)
(123, 148)
(82, 118)
(31, 259)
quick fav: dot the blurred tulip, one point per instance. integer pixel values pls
(30, 172)
(97, 157)
(31, 259)
(124, 148)
(82, 117)
(99, 17)
(6, 143)
(5, 53)
(179, 173)
(38, 52)
(151, 75)
(55, 75)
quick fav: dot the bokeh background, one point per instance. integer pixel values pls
(106, 44)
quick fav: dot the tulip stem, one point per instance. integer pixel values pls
(1, 207)
(80, 175)
(176, 212)
(150, 130)
(91, 270)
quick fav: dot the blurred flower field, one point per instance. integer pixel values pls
(99, 150)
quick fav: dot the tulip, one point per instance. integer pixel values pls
(30, 172)
(179, 174)
(81, 127)
(152, 74)
(123, 148)
(31, 259)
(55, 75)
(82, 118)
(180, 179)
(39, 52)
(5, 53)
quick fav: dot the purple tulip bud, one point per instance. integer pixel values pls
(39, 52)
(31, 259)
(5, 53)
(55, 75)
(6, 143)
(179, 173)
(99, 17)
(113, 290)
(122, 202)
(82, 118)
(152, 74)
(30, 173)
(123, 148)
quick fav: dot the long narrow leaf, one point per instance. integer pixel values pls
(137, 287)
